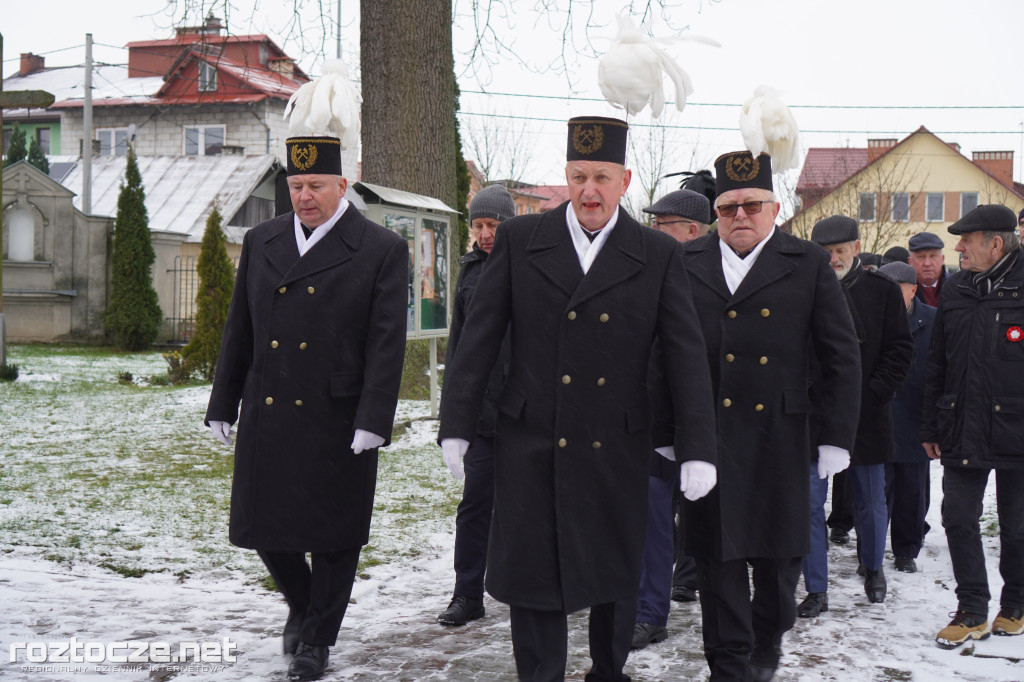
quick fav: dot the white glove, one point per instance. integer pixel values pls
(668, 452)
(221, 431)
(697, 478)
(453, 450)
(832, 460)
(364, 440)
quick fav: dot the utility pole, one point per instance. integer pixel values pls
(15, 99)
(87, 131)
(339, 30)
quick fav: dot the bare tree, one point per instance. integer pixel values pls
(502, 148)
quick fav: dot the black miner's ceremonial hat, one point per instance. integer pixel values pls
(596, 138)
(314, 155)
(740, 170)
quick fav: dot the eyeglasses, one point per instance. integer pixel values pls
(749, 207)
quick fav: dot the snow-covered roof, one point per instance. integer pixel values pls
(180, 190)
(109, 82)
(402, 198)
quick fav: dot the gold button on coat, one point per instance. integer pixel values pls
(282, 290)
(303, 346)
(572, 314)
(310, 290)
(562, 443)
(566, 379)
(597, 444)
(604, 317)
(298, 403)
(764, 360)
(270, 401)
(732, 314)
(729, 357)
(727, 402)
(765, 312)
(273, 344)
(758, 407)
(965, 462)
(600, 382)
(997, 408)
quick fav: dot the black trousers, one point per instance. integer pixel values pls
(685, 572)
(539, 641)
(906, 495)
(473, 519)
(963, 492)
(841, 516)
(738, 629)
(320, 592)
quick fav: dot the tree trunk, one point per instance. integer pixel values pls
(408, 88)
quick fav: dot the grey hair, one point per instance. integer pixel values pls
(1011, 240)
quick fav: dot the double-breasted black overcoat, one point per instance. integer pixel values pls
(313, 348)
(886, 350)
(758, 343)
(573, 432)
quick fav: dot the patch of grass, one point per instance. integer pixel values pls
(126, 571)
(8, 372)
(125, 378)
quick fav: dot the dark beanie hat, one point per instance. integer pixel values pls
(896, 254)
(314, 155)
(740, 170)
(596, 138)
(493, 201)
(835, 230)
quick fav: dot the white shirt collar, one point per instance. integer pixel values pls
(735, 268)
(587, 250)
(319, 231)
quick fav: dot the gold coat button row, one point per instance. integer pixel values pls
(604, 317)
(270, 401)
(758, 407)
(303, 346)
(562, 442)
(765, 312)
(566, 379)
(763, 360)
(274, 344)
(298, 403)
(729, 357)
(282, 290)
(727, 402)
(572, 315)
(310, 290)
(732, 314)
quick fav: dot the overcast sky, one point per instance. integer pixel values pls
(828, 56)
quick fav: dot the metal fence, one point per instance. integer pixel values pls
(182, 321)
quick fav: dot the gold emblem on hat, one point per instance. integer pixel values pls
(742, 167)
(303, 158)
(586, 141)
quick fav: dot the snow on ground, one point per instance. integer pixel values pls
(113, 504)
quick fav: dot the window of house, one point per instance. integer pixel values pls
(935, 208)
(113, 141)
(204, 140)
(43, 139)
(968, 202)
(900, 207)
(866, 210)
(207, 77)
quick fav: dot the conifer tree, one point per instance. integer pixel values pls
(133, 317)
(37, 158)
(16, 150)
(216, 282)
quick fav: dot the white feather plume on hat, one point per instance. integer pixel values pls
(328, 105)
(768, 126)
(631, 72)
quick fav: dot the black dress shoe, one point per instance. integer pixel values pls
(309, 663)
(905, 564)
(812, 605)
(839, 536)
(462, 610)
(647, 633)
(683, 594)
(764, 662)
(292, 626)
(874, 585)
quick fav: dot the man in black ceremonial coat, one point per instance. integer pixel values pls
(766, 300)
(586, 289)
(313, 347)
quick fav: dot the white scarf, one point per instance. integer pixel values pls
(319, 231)
(735, 268)
(587, 250)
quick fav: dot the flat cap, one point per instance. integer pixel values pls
(987, 217)
(683, 203)
(899, 272)
(925, 240)
(835, 230)
(896, 254)
(1021, 214)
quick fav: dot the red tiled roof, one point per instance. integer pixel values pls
(558, 194)
(826, 167)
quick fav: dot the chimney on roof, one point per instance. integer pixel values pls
(878, 147)
(212, 27)
(284, 66)
(30, 63)
(955, 146)
(999, 164)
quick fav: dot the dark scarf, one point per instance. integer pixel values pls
(991, 279)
